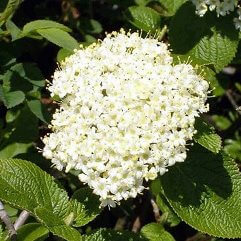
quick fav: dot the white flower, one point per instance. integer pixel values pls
(222, 7)
(237, 21)
(126, 114)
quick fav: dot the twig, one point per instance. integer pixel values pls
(142, 212)
(120, 224)
(136, 225)
(233, 102)
(21, 219)
(5, 218)
(155, 210)
(199, 237)
(162, 33)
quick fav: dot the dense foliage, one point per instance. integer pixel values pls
(198, 199)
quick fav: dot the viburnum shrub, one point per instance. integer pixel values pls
(122, 122)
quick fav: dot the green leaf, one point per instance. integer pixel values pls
(217, 83)
(221, 122)
(210, 40)
(14, 149)
(1, 231)
(11, 99)
(59, 37)
(43, 24)
(207, 137)
(9, 10)
(205, 191)
(85, 206)
(111, 235)
(56, 226)
(12, 212)
(32, 232)
(171, 6)
(15, 133)
(233, 148)
(156, 232)
(144, 18)
(30, 72)
(90, 26)
(142, 2)
(39, 110)
(13, 29)
(26, 186)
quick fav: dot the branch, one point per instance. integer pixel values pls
(5, 218)
(232, 101)
(21, 219)
(155, 211)
(136, 225)
(199, 237)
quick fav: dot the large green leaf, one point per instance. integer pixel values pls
(42, 24)
(205, 191)
(156, 232)
(32, 232)
(209, 39)
(207, 137)
(111, 235)
(59, 37)
(144, 18)
(56, 226)
(25, 185)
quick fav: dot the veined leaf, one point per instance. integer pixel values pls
(85, 207)
(26, 186)
(56, 226)
(209, 39)
(111, 235)
(205, 191)
(32, 232)
(207, 137)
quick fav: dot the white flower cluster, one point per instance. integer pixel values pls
(222, 7)
(126, 114)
